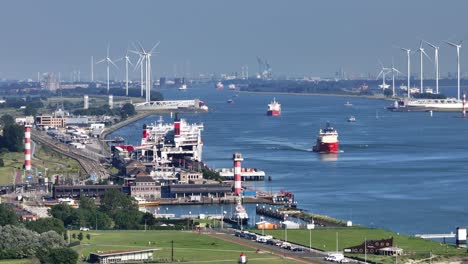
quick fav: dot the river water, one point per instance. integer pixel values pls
(406, 172)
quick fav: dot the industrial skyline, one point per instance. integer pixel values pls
(201, 37)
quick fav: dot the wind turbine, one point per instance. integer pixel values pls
(458, 46)
(109, 61)
(145, 57)
(139, 62)
(127, 61)
(383, 72)
(421, 52)
(408, 51)
(393, 69)
(436, 59)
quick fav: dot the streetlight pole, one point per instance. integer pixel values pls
(172, 250)
(310, 239)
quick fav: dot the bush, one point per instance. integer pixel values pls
(60, 255)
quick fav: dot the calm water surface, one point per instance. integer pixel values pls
(402, 171)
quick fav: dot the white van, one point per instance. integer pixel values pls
(335, 257)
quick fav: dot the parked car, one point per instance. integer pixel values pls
(84, 229)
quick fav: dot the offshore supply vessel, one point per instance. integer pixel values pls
(327, 140)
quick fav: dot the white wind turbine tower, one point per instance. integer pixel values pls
(393, 77)
(421, 52)
(109, 61)
(127, 61)
(145, 57)
(436, 59)
(408, 51)
(92, 69)
(458, 46)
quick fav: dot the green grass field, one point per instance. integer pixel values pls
(325, 239)
(11, 160)
(188, 246)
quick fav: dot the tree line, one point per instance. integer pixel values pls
(12, 137)
(43, 239)
(117, 210)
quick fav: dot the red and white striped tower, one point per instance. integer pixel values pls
(237, 157)
(464, 105)
(176, 126)
(27, 147)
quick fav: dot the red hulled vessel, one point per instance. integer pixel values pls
(274, 108)
(327, 141)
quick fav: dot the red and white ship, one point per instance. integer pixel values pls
(327, 141)
(219, 86)
(274, 108)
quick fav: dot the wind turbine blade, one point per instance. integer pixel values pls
(111, 62)
(101, 61)
(119, 59)
(141, 47)
(380, 74)
(420, 44)
(135, 52)
(129, 61)
(451, 44)
(396, 70)
(433, 46)
(427, 56)
(155, 46)
(108, 47)
(140, 61)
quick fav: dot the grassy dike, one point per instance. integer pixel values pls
(325, 240)
(188, 246)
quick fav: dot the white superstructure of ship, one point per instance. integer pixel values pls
(232, 86)
(274, 108)
(183, 87)
(441, 105)
(163, 143)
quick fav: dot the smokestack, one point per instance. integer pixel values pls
(85, 101)
(237, 157)
(27, 147)
(144, 135)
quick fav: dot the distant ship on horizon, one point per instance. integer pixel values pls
(274, 108)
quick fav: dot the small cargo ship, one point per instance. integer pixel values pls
(219, 86)
(274, 108)
(183, 87)
(327, 141)
(232, 87)
(240, 216)
(351, 119)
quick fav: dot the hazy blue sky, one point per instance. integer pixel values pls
(297, 37)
